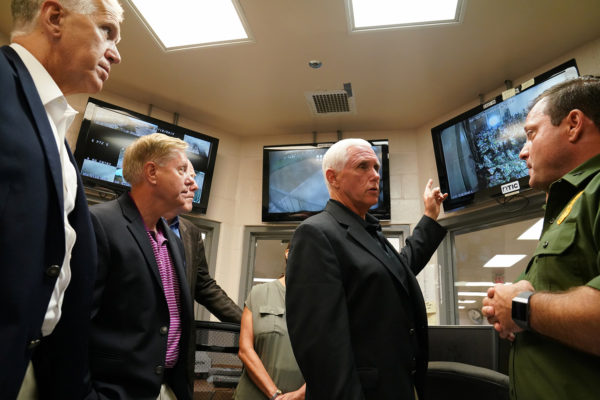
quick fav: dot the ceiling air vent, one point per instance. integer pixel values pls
(331, 102)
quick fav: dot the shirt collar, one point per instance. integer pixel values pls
(583, 172)
(45, 85)
(52, 98)
(159, 236)
(174, 224)
(370, 223)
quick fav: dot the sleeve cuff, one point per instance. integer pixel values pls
(595, 283)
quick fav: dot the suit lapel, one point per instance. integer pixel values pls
(40, 117)
(183, 229)
(138, 231)
(177, 255)
(182, 226)
(363, 238)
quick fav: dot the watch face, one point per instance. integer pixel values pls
(475, 315)
(519, 309)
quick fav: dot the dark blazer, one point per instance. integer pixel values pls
(355, 314)
(32, 247)
(203, 287)
(130, 316)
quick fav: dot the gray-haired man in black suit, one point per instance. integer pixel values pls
(355, 312)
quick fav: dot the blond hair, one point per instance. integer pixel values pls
(157, 147)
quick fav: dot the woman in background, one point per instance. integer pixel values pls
(270, 369)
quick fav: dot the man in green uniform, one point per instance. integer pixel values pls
(552, 314)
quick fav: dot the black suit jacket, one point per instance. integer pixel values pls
(32, 240)
(204, 288)
(355, 314)
(128, 341)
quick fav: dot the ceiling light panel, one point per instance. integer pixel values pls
(504, 260)
(534, 232)
(475, 284)
(472, 294)
(373, 14)
(192, 23)
(263, 280)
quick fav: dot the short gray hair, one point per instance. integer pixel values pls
(337, 156)
(26, 12)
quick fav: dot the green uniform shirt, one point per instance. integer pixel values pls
(271, 342)
(566, 256)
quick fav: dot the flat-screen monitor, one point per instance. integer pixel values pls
(294, 187)
(107, 130)
(477, 152)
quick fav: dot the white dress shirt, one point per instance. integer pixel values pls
(60, 115)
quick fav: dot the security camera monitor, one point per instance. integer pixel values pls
(107, 130)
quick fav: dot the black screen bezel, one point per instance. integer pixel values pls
(383, 212)
(485, 194)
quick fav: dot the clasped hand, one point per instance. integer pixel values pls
(497, 307)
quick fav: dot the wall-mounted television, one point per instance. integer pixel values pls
(477, 152)
(294, 187)
(107, 130)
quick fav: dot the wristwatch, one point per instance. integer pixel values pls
(520, 310)
(277, 393)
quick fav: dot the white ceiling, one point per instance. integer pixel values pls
(401, 78)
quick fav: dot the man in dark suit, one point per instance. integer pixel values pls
(142, 311)
(203, 287)
(355, 312)
(46, 244)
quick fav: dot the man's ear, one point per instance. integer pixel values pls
(330, 175)
(575, 122)
(150, 172)
(52, 15)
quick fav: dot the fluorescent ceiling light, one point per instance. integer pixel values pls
(461, 307)
(479, 284)
(467, 301)
(504, 260)
(192, 23)
(474, 294)
(261, 280)
(534, 232)
(368, 14)
(476, 284)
